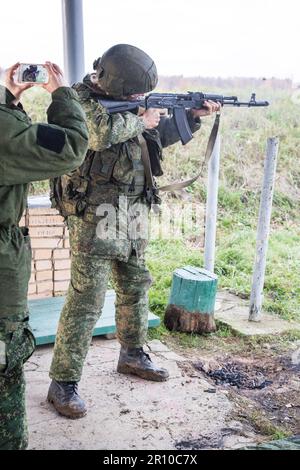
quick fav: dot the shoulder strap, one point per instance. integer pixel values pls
(180, 184)
(147, 163)
(209, 150)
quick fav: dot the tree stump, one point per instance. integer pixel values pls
(192, 302)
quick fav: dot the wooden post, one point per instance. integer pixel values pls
(192, 301)
(263, 231)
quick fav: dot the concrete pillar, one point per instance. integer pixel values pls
(73, 40)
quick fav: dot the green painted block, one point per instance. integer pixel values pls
(45, 313)
(194, 290)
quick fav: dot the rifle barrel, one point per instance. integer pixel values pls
(247, 104)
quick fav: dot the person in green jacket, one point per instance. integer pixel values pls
(28, 152)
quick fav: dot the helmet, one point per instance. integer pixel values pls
(125, 70)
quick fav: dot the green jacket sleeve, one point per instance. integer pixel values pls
(6, 97)
(106, 130)
(168, 130)
(33, 152)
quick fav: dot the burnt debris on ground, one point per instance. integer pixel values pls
(237, 375)
(269, 387)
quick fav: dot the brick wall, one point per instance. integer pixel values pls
(50, 270)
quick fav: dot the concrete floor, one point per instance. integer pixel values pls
(127, 412)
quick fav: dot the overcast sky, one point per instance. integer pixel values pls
(258, 38)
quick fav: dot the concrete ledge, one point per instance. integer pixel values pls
(234, 312)
(126, 412)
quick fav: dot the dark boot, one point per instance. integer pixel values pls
(135, 361)
(65, 399)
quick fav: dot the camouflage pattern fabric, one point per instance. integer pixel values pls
(89, 280)
(113, 169)
(16, 339)
(17, 344)
(292, 443)
(13, 425)
(106, 130)
(113, 166)
(28, 152)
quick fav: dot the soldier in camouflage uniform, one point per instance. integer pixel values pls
(113, 168)
(27, 153)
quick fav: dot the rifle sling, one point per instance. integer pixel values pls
(147, 163)
(176, 186)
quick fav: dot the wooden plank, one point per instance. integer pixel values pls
(45, 313)
(192, 273)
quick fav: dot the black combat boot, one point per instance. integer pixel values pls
(65, 399)
(135, 361)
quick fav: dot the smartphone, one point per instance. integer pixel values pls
(33, 73)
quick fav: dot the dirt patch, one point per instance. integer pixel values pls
(266, 390)
(237, 375)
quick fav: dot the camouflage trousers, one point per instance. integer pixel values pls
(90, 276)
(16, 346)
(16, 339)
(13, 423)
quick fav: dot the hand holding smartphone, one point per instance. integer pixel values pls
(35, 74)
(21, 77)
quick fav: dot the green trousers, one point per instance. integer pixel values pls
(16, 339)
(13, 423)
(89, 280)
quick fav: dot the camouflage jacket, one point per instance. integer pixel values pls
(34, 152)
(31, 152)
(113, 166)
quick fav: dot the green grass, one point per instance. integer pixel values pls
(236, 253)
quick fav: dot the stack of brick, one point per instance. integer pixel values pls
(50, 273)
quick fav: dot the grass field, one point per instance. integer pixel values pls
(244, 136)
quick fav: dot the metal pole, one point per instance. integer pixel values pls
(73, 40)
(263, 231)
(212, 207)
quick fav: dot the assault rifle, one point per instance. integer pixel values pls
(177, 104)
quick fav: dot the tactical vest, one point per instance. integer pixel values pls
(104, 176)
